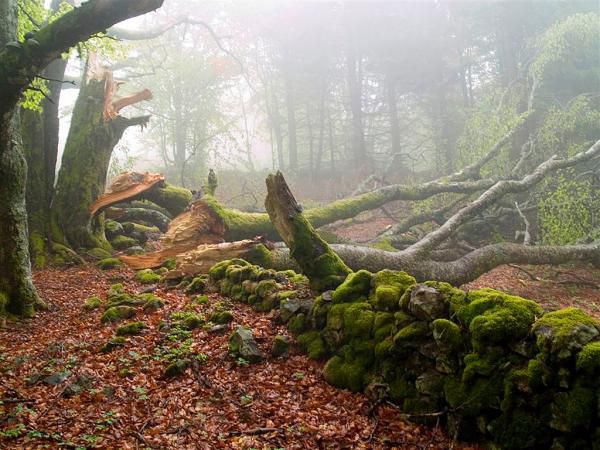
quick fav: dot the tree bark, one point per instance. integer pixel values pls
(323, 267)
(94, 132)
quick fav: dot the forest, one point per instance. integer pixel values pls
(294, 224)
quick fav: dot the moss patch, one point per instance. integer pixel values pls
(131, 329)
(109, 263)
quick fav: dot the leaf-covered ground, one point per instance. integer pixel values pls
(123, 401)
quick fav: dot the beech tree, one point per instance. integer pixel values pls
(20, 63)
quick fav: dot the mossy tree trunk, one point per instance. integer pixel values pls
(318, 262)
(40, 143)
(82, 176)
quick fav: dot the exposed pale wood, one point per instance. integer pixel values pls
(125, 187)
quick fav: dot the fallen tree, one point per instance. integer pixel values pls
(199, 225)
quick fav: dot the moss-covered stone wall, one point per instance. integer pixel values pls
(490, 365)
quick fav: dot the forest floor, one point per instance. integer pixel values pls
(126, 403)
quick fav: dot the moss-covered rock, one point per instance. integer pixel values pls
(312, 343)
(109, 263)
(92, 303)
(188, 320)
(388, 287)
(131, 329)
(242, 344)
(447, 335)
(345, 375)
(588, 361)
(152, 302)
(177, 367)
(116, 313)
(494, 317)
(281, 345)
(147, 276)
(427, 303)
(221, 317)
(123, 242)
(297, 324)
(113, 343)
(355, 288)
(98, 253)
(112, 229)
(561, 334)
(411, 335)
(198, 285)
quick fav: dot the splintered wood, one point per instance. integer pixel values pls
(125, 187)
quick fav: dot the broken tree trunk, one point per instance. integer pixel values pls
(130, 186)
(92, 137)
(323, 267)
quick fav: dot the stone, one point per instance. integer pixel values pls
(290, 306)
(427, 303)
(135, 250)
(281, 346)
(242, 344)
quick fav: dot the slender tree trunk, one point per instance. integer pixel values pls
(291, 118)
(355, 90)
(393, 114)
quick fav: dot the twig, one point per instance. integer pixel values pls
(56, 81)
(142, 439)
(525, 271)
(255, 432)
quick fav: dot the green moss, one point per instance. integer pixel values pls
(481, 365)
(318, 313)
(562, 333)
(411, 335)
(113, 343)
(402, 319)
(123, 242)
(92, 303)
(535, 373)
(132, 227)
(297, 324)
(187, 320)
(169, 263)
(198, 285)
(177, 367)
(312, 343)
(221, 317)
(109, 263)
(401, 389)
(447, 335)
(344, 375)
(494, 317)
(389, 286)
(358, 320)
(153, 303)
(264, 287)
(201, 299)
(259, 255)
(383, 325)
(573, 409)
(588, 360)
(147, 276)
(131, 329)
(280, 347)
(218, 271)
(474, 397)
(384, 348)
(173, 198)
(455, 297)
(112, 228)
(355, 288)
(116, 313)
(520, 430)
(98, 253)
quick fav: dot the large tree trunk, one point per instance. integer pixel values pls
(95, 129)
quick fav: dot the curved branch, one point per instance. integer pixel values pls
(499, 190)
(460, 271)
